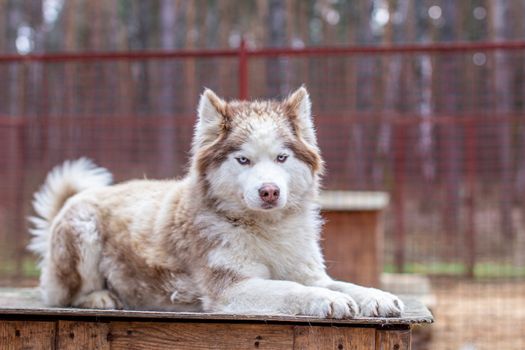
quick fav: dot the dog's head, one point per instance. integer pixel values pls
(261, 155)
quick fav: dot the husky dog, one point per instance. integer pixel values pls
(238, 234)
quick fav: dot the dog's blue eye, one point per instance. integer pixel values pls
(243, 160)
(281, 158)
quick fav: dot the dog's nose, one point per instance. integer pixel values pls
(269, 192)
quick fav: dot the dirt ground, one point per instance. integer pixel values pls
(473, 315)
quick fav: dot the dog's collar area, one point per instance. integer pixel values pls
(239, 221)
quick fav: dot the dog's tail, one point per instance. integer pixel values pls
(62, 182)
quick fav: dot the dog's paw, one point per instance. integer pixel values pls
(325, 303)
(101, 299)
(381, 304)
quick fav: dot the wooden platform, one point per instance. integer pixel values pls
(27, 324)
(353, 235)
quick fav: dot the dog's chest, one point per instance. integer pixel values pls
(273, 251)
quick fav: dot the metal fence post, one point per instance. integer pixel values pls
(243, 71)
(398, 194)
(471, 167)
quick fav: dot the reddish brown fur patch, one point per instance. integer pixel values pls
(156, 279)
(223, 108)
(296, 98)
(217, 103)
(307, 155)
(290, 107)
(301, 149)
(65, 258)
(220, 279)
(213, 155)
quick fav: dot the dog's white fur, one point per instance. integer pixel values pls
(206, 242)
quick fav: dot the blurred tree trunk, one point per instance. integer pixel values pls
(189, 69)
(34, 88)
(519, 257)
(302, 30)
(3, 49)
(98, 90)
(202, 28)
(40, 87)
(352, 22)
(127, 94)
(167, 142)
(201, 23)
(276, 67)
(140, 24)
(447, 105)
(520, 176)
(168, 21)
(70, 13)
(3, 26)
(364, 98)
(13, 152)
(289, 72)
(257, 66)
(500, 16)
(330, 68)
(225, 13)
(58, 137)
(34, 69)
(302, 37)
(126, 83)
(96, 20)
(390, 82)
(424, 102)
(14, 19)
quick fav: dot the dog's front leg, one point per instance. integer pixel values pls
(372, 302)
(263, 296)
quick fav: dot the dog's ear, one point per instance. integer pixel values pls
(299, 109)
(212, 118)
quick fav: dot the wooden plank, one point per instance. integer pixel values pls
(353, 200)
(33, 335)
(26, 302)
(352, 246)
(83, 335)
(161, 335)
(338, 338)
(393, 339)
